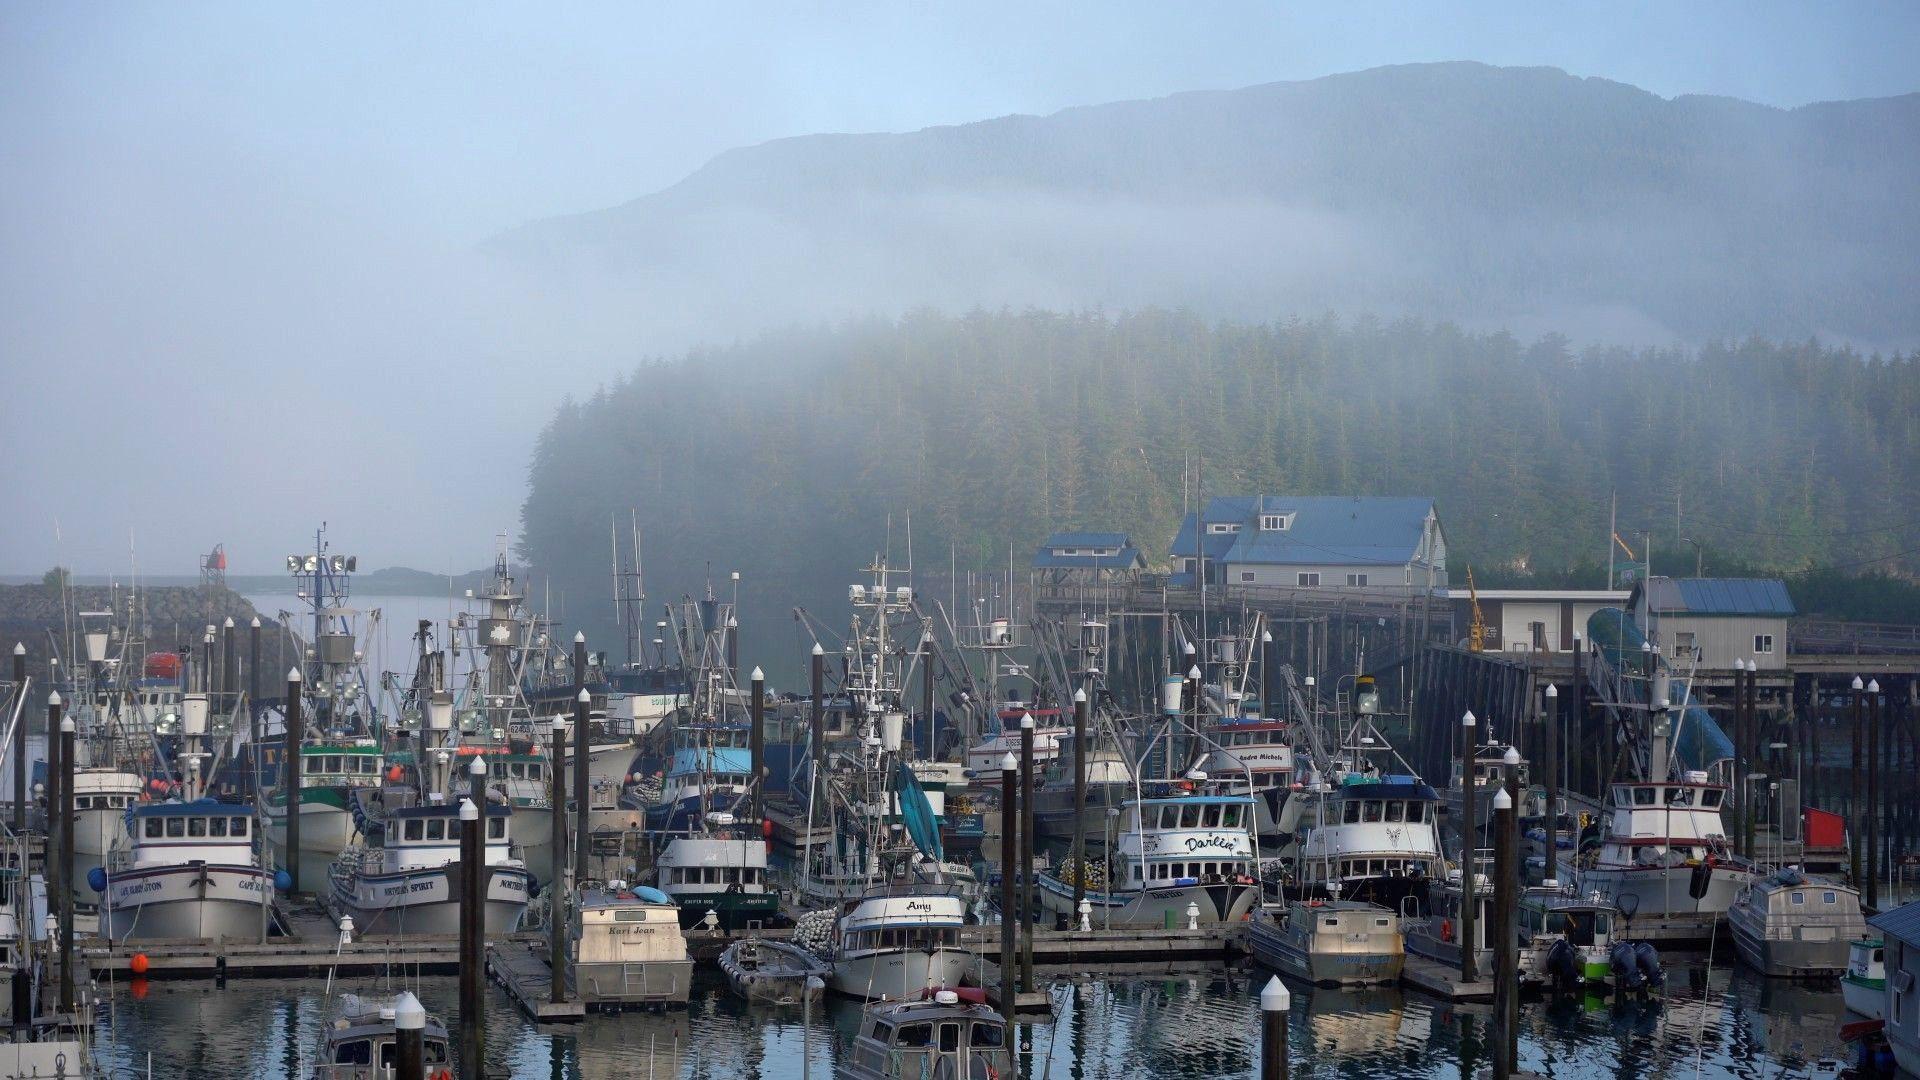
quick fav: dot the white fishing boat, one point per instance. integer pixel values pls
(1864, 986)
(361, 1042)
(1374, 835)
(722, 871)
(187, 870)
(333, 773)
(1173, 854)
(408, 881)
(1253, 755)
(898, 940)
(946, 1033)
(1665, 854)
(1328, 942)
(627, 947)
(1791, 926)
(101, 799)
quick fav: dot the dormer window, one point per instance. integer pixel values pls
(1222, 527)
(1275, 522)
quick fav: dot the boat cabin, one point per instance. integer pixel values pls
(944, 1037)
(419, 837)
(361, 1046)
(1186, 840)
(177, 833)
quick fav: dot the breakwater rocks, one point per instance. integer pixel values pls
(168, 618)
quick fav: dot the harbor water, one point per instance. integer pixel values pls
(1181, 1024)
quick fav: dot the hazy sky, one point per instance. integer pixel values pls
(234, 291)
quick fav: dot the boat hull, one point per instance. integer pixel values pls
(735, 911)
(1225, 902)
(426, 902)
(1865, 997)
(650, 982)
(198, 901)
(898, 973)
(1784, 959)
(1274, 947)
(326, 830)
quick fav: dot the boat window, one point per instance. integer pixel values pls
(153, 827)
(354, 1052)
(914, 1035)
(1230, 817)
(1189, 816)
(176, 827)
(988, 1035)
(1416, 812)
(436, 1052)
(1710, 797)
(1643, 796)
(83, 802)
(1381, 923)
(1799, 898)
(217, 827)
(1679, 796)
(1330, 922)
(314, 765)
(437, 829)
(1351, 814)
(883, 1032)
(415, 828)
(1210, 818)
(1828, 898)
(496, 828)
(949, 1038)
(237, 826)
(1396, 810)
(1370, 810)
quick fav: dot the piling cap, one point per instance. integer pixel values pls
(408, 1014)
(256, 622)
(1266, 637)
(1008, 762)
(229, 622)
(479, 766)
(1467, 720)
(1193, 672)
(560, 725)
(584, 696)
(293, 675)
(1552, 691)
(1189, 649)
(66, 725)
(53, 699)
(1512, 756)
(579, 637)
(468, 811)
(1873, 687)
(19, 648)
(1026, 721)
(758, 676)
(1857, 684)
(1274, 998)
(817, 650)
(1502, 800)
(1080, 695)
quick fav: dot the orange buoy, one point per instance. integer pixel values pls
(139, 963)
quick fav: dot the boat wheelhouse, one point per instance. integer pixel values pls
(1378, 837)
(1489, 775)
(628, 947)
(940, 1034)
(1253, 755)
(1172, 853)
(1109, 785)
(333, 773)
(722, 871)
(1864, 986)
(1049, 724)
(188, 870)
(1567, 939)
(361, 1043)
(1665, 853)
(523, 784)
(406, 883)
(708, 773)
(101, 799)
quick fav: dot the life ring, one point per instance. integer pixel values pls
(1446, 929)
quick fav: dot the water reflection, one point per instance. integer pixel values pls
(1184, 1024)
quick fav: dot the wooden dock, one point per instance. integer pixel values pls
(1073, 947)
(310, 946)
(522, 969)
(1443, 981)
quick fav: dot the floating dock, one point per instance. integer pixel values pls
(522, 969)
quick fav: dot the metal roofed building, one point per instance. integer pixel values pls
(1715, 621)
(1067, 557)
(1900, 929)
(1378, 543)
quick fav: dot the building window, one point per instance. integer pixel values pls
(1246, 575)
(1275, 522)
(1186, 566)
(1358, 581)
(1763, 643)
(1308, 581)
(1223, 527)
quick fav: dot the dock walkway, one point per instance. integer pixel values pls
(522, 969)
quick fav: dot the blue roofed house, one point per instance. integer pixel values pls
(1715, 621)
(1086, 557)
(1333, 542)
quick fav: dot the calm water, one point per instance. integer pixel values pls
(1184, 1024)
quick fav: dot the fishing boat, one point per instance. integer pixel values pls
(1489, 775)
(521, 783)
(719, 871)
(406, 880)
(1050, 723)
(1567, 940)
(1328, 942)
(1864, 985)
(900, 939)
(945, 1033)
(628, 947)
(1436, 930)
(1253, 754)
(333, 775)
(1173, 853)
(362, 1041)
(768, 972)
(1664, 856)
(101, 799)
(188, 870)
(1791, 926)
(1109, 784)
(708, 773)
(1377, 837)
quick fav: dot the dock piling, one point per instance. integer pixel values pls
(1080, 708)
(1009, 846)
(757, 745)
(472, 923)
(1274, 1002)
(64, 875)
(1874, 750)
(557, 894)
(1025, 824)
(582, 817)
(409, 1035)
(1551, 717)
(20, 743)
(290, 779)
(1505, 967)
(1468, 834)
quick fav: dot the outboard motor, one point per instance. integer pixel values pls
(1626, 967)
(1647, 959)
(1563, 965)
